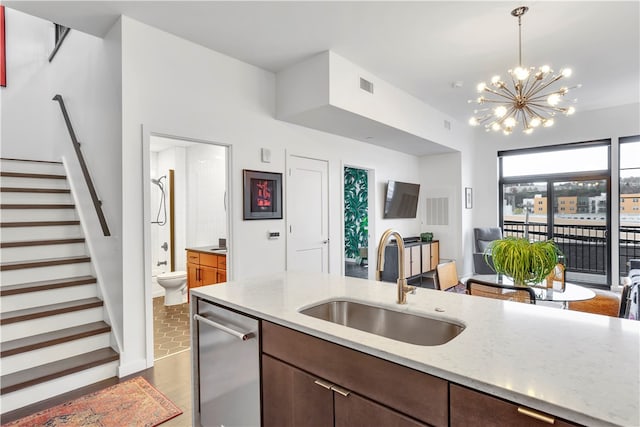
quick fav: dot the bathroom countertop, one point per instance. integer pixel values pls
(578, 366)
(211, 249)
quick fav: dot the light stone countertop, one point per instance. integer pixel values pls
(581, 367)
(211, 249)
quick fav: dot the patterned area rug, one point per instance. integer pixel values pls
(134, 402)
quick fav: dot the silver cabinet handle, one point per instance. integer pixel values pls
(238, 334)
(340, 390)
(323, 384)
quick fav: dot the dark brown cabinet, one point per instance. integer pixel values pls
(364, 390)
(472, 408)
(292, 398)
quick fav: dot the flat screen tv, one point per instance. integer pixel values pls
(402, 200)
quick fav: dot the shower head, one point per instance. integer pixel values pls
(158, 181)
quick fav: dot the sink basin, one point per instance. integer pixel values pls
(399, 326)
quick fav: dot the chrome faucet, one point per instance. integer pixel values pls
(403, 288)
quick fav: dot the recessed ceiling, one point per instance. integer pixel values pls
(422, 48)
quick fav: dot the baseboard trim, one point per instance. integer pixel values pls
(132, 367)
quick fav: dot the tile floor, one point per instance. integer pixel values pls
(170, 328)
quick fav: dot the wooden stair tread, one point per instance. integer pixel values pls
(37, 206)
(29, 377)
(17, 244)
(49, 310)
(38, 223)
(32, 175)
(44, 285)
(55, 162)
(34, 190)
(48, 262)
(34, 342)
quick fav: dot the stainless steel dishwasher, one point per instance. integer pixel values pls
(226, 374)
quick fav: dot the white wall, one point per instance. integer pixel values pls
(86, 72)
(206, 96)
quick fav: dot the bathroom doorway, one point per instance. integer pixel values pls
(357, 208)
(188, 183)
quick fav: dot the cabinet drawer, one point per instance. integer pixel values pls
(193, 257)
(210, 260)
(469, 407)
(222, 262)
(411, 392)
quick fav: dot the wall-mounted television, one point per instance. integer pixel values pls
(402, 200)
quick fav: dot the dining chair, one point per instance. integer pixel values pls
(500, 291)
(605, 302)
(447, 278)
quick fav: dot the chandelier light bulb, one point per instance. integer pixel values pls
(527, 98)
(510, 122)
(521, 73)
(553, 99)
(500, 111)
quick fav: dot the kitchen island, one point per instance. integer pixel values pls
(579, 367)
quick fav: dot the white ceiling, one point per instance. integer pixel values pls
(421, 47)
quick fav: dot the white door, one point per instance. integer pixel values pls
(308, 215)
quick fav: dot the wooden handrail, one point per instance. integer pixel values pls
(97, 204)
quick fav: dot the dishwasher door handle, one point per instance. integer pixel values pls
(238, 334)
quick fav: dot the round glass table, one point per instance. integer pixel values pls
(571, 292)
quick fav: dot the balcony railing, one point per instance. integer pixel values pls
(584, 246)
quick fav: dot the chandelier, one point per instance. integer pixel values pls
(527, 99)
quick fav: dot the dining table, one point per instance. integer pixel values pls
(563, 293)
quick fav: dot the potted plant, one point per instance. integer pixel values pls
(524, 261)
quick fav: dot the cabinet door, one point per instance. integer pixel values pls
(435, 255)
(472, 408)
(208, 275)
(356, 411)
(426, 258)
(193, 278)
(292, 398)
(222, 276)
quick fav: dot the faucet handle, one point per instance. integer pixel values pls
(411, 290)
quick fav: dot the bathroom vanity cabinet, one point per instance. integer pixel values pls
(205, 268)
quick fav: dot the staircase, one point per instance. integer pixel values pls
(53, 331)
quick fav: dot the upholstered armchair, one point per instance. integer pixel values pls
(481, 238)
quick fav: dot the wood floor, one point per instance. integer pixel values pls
(171, 375)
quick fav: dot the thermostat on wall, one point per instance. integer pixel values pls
(274, 234)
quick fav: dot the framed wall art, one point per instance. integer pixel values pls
(262, 195)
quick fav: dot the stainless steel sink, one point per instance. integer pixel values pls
(396, 325)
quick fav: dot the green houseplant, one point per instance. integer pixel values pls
(524, 261)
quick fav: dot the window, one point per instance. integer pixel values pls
(629, 201)
(544, 196)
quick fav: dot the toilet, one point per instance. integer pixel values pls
(175, 286)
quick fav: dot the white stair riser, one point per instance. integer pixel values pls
(26, 275)
(9, 181)
(20, 215)
(46, 390)
(32, 167)
(41, 356)
(27, 328)
(36, 198)
(26, 253)
(52, 296)
(22, 234)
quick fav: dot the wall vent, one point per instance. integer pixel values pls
(366, 85)
(437, 211)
